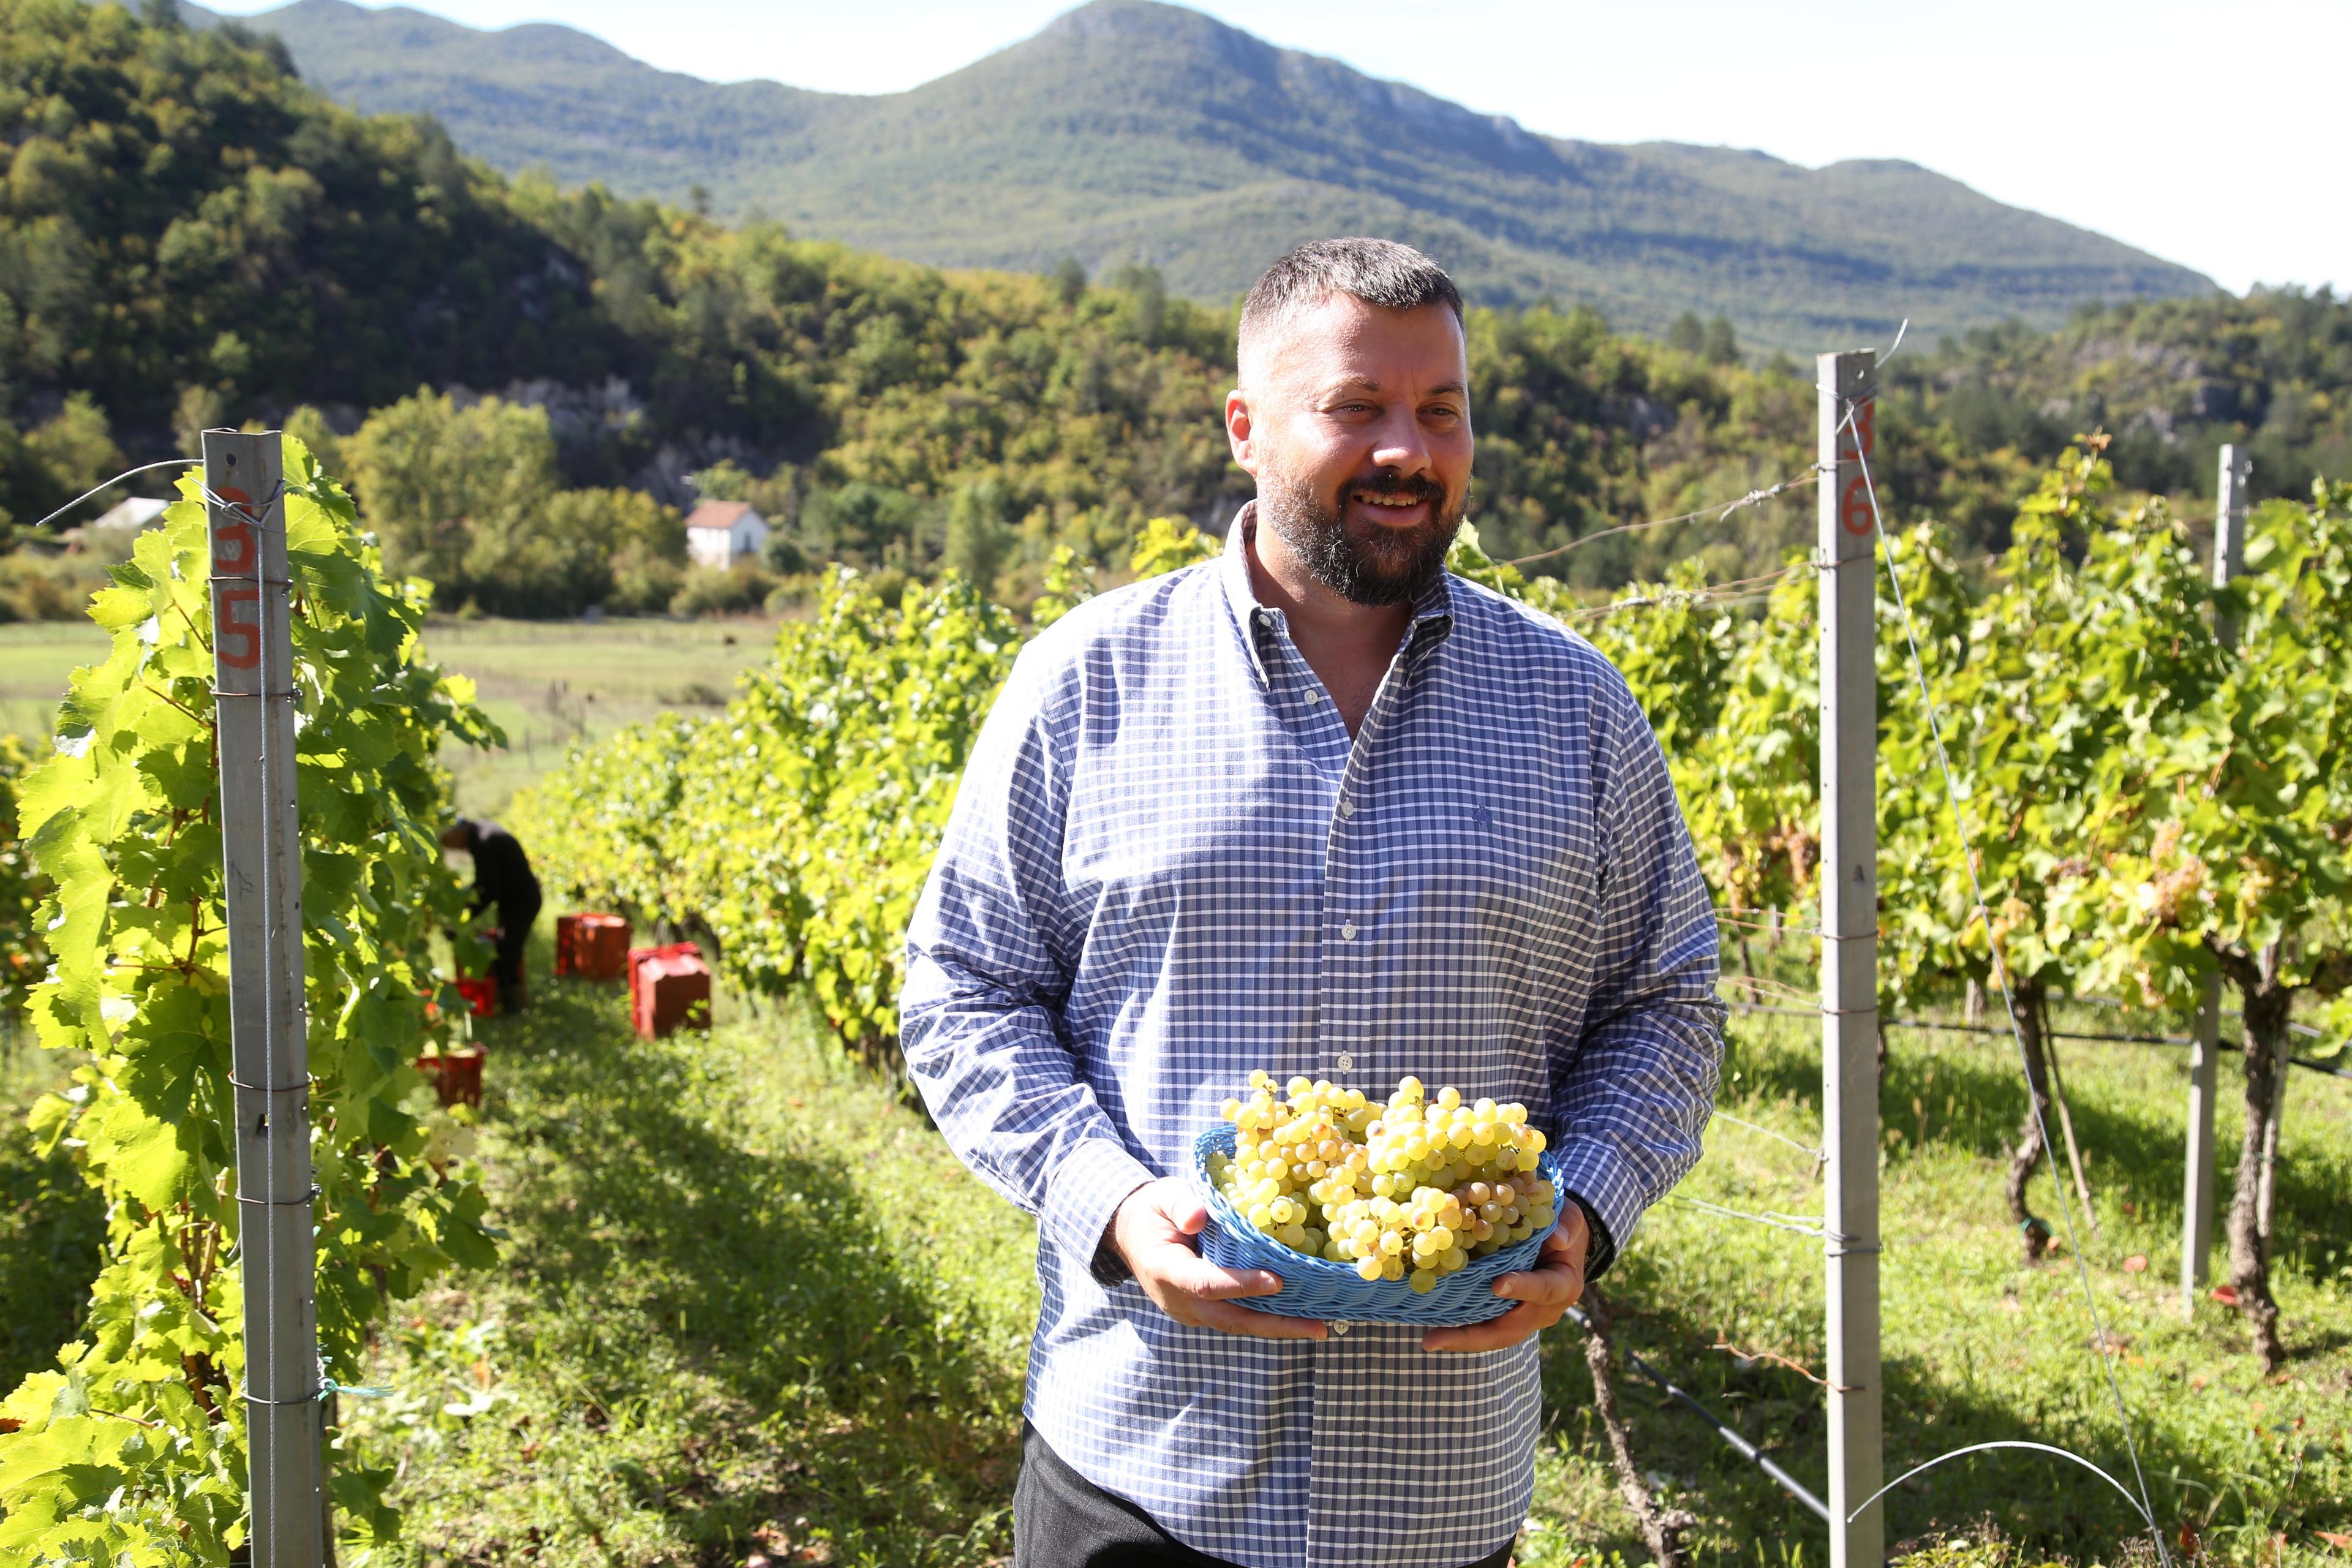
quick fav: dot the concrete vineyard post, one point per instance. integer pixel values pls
(2197, 1201)
(261, 848)
(1848, 916)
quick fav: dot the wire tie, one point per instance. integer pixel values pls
(329, 1388)
(252, 1398)
(264, 1089)
(310, 1197)
(258, 581)
(252, 509)
(1847, 1012)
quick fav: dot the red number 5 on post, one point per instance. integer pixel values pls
(239, 636)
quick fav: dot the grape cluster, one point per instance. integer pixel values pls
(1411, 1190)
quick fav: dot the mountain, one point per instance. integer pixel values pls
(1130, 131)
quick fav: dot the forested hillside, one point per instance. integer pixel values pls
(1132, 131)
(188, 234)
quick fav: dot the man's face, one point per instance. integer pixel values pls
(1355, 421)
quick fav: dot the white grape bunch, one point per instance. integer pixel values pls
(1411, 1190)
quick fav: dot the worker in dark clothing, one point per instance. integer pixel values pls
(502, 875)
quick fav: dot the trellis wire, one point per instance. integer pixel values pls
(1730, 593)
(1747, 1449)
(127, 473)
(2001, 974)
(1939, 1026)
(1785, 928)
(1803, 1225)
(1751, 499)
(1815, 1155)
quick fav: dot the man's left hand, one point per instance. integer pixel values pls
(1544, 1293)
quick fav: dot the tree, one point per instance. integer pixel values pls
(979, 536)
(1688, 334)
(562, 556)
(43, 469)
(432, 475)
(1721, 344)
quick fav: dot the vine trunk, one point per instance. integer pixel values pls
(2027, 1008)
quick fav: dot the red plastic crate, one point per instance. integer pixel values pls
(456, 1076)
(481, 993)
(637, 955)
(591, 947)
(668, 988)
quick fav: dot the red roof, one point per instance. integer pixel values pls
(719, 514)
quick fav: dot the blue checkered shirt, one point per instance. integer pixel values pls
(1169, 864)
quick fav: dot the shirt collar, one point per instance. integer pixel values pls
(1433, 610)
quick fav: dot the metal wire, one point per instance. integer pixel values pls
(2000, 972)
(1713, 594)
(1751, 499)
(1939, 1026)
(1747, 1449)
(2137, 1507)
(1803, 1225)
(1816, 1156)
(141, 469)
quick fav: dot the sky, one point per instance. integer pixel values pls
(2209, 135)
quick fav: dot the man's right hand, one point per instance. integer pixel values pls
(1152, 1231)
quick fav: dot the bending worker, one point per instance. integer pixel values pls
(1320, 808)
(502, 875)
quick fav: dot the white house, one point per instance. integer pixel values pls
(127, 516)
(136, 513)
(721, 533)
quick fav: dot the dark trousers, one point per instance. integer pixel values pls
(1061, 1520)
(515, 921)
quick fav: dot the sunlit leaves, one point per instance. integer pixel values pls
(133, 1451)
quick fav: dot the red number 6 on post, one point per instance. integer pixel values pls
(236, 549)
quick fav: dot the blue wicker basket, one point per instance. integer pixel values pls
(1318, 1287)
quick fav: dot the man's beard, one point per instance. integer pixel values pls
(1374, 564)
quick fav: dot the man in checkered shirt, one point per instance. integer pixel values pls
(1319, 808)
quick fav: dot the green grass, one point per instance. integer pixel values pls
(546, 683)
(1978, 1346)
(747, 1297)
(35, 658)
(748, 1291)
(550, 684)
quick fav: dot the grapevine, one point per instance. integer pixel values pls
(794, 832)
(132, 1449)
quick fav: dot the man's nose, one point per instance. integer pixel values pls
(1399, 444)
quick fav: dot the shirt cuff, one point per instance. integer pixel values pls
(1594, 1174)
(1083, 1198)
(1600, 1248)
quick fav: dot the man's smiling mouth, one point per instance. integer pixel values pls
(1398, 500)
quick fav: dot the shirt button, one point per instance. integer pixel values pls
(1348, 932)
(1347, 1063)
(1313, 697)
(1346, 806)
(1340, 1325)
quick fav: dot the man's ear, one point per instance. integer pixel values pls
(1239, 430)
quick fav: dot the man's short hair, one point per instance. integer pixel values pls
(1377, 271)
